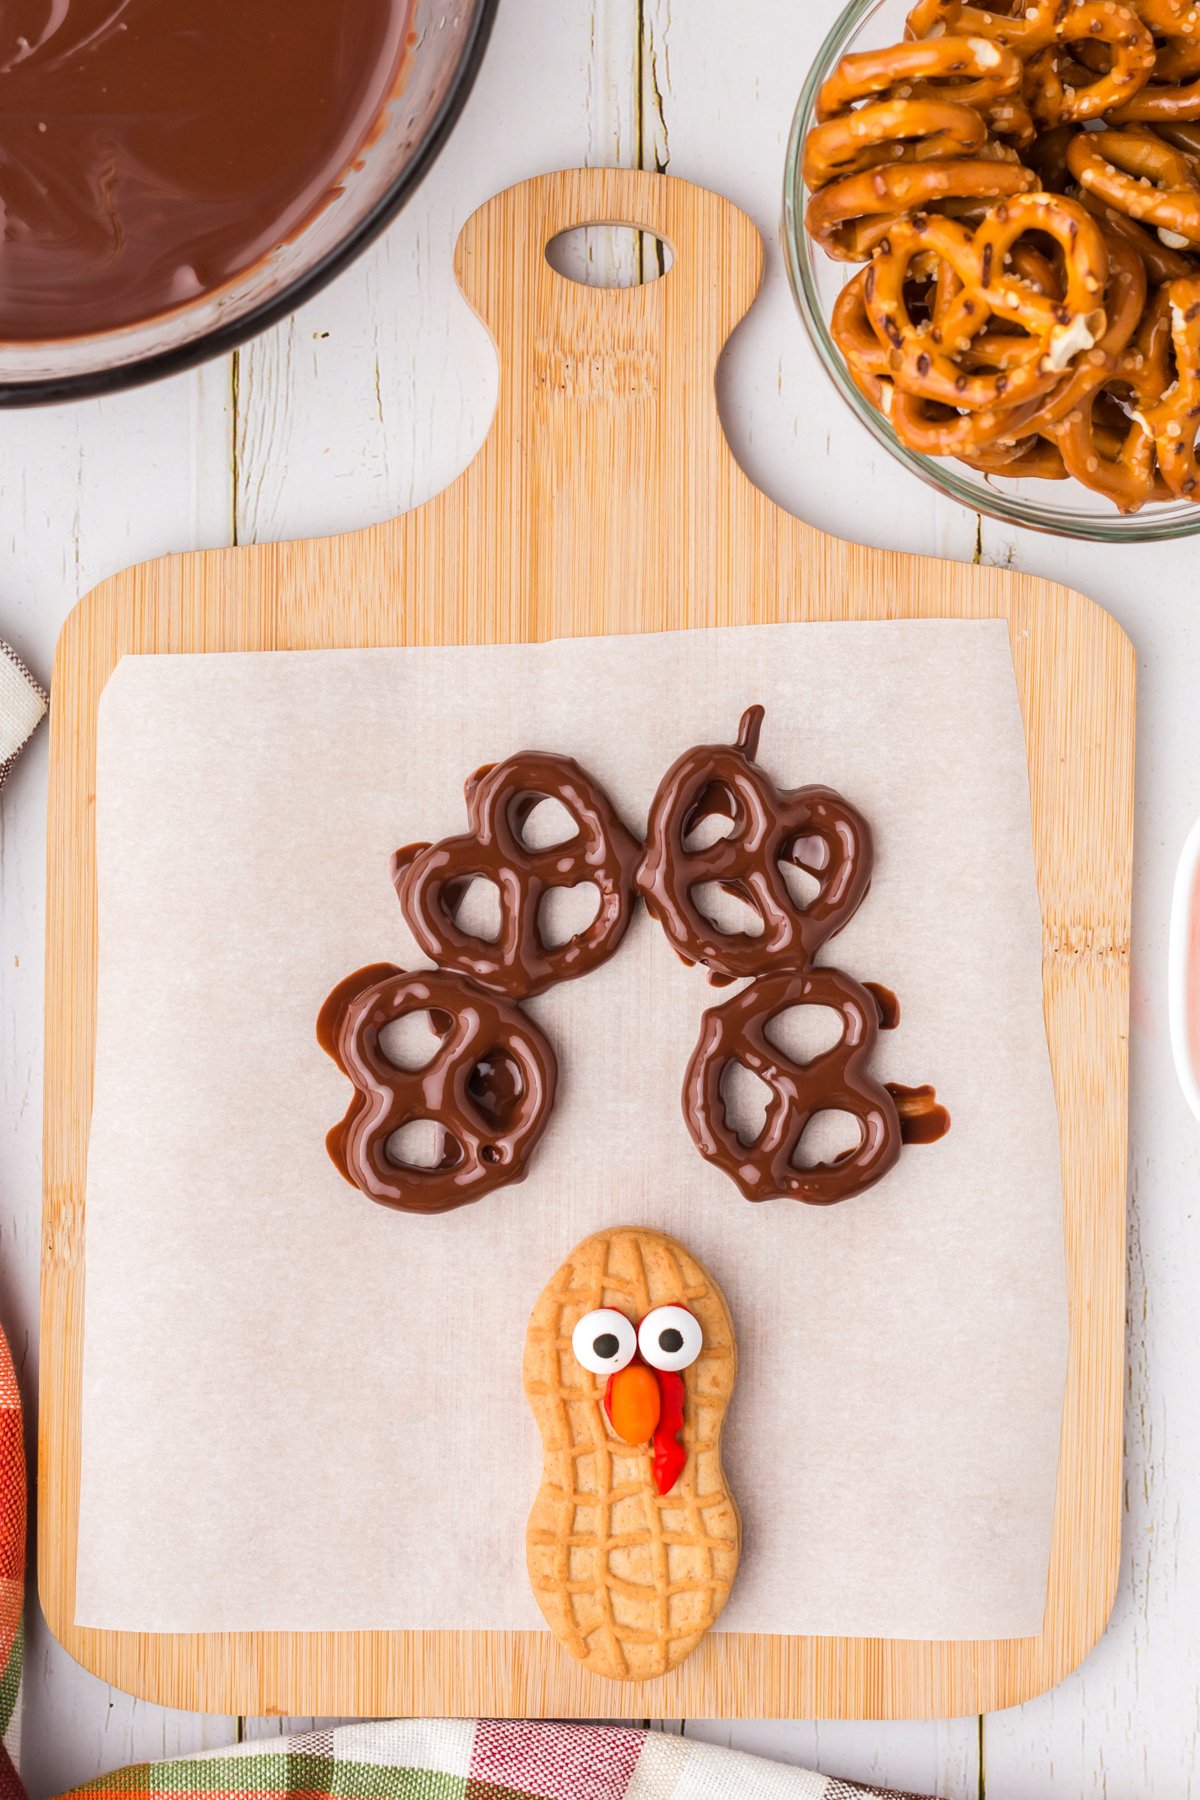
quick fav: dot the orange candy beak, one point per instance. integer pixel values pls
(634, 1403)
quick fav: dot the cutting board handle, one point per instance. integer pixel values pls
(635, 360)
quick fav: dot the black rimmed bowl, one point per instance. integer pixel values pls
(447, 46)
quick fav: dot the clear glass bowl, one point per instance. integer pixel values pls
(1064, 507)
(449, 38)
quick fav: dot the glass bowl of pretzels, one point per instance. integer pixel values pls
(992, 229)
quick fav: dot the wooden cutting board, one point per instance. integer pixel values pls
(606, 499)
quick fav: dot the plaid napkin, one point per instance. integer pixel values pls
(477, 1759)
(12, 1572)
(22, 705)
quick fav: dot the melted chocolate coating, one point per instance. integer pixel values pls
(489, 1087)
(923, 1119)
(151, 150)
(838, 1080)
(770, 827)
(431, 878)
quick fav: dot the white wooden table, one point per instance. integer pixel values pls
(366, 403)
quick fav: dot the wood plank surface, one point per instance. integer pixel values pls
(606, 498)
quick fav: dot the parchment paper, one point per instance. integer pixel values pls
(302, 1411)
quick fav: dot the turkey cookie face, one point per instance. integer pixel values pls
(633, 1541)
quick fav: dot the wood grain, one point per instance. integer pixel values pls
(606, 499)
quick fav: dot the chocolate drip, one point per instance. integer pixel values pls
(887, 1002)
(923, 1120)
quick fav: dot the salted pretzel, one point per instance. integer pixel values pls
(1174, 419)
(1169, 18)
(1094, 430)
(882, 112)
(849, 217)
(976, 70)
(737, 1032)
(810, 827)
(431, 879)
(1171, 94)
(488, 1088)
(1064, 358)
(1138, 174)
(889, 130)
(921, 424)
(1160, 262)
(928, 362)
(1059, 91)
(1057, 88)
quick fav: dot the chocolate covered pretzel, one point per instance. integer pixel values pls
(810, 827)
(431, 879)
(488, 1087)
(737, 1032)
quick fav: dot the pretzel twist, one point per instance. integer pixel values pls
(1052, 329)
(1173, 419)
(1169, 18)
(1139, 175)
(921, 424)
(1057, 89)
(977, 70)
(849, 217)
(890, 129)
(927, 358)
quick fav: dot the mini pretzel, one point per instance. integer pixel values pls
(1065, 357)
(1161, 262)
(1139, 175)
(1055, 91)
(1065, 437)
(849, 217)
(1173, 420)
(1169, 18)
(851, 142)
(921, 424)
(432, 878)
(489, 1087)
(837, 1080)
(1108, 445)
(977, 71)
(1126, 304)
(926, 361)
(770, 828)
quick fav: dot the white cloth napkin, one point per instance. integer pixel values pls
(23, 702)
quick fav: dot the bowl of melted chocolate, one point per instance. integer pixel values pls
(177, 174)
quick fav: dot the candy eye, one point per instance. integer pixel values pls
(604, 1341)
(670, 1337)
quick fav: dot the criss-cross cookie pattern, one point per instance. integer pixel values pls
(628, 1579)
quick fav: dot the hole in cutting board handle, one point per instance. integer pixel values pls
(609, 256)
